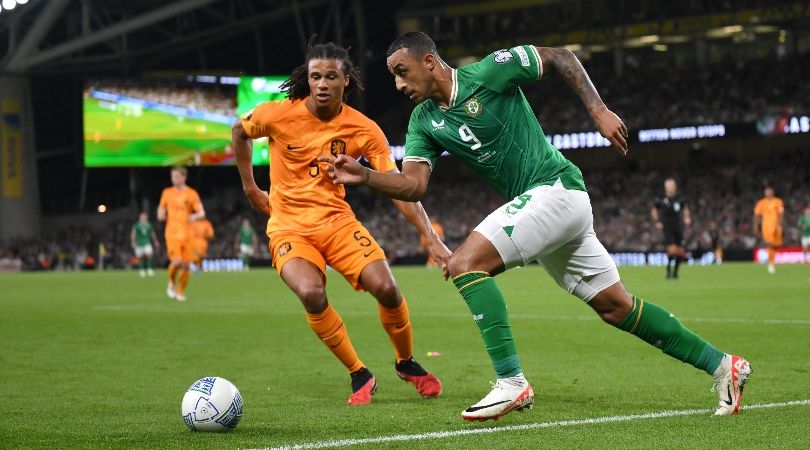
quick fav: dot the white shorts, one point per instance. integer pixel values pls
(805, 241)
(144, 250)
(245, 250)
(554, 226)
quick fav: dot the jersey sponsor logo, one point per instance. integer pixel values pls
(524, 57)
(437, 125)
(502, 56)
(473, 107)
(284, 249)
(337, 147)
(478, 317)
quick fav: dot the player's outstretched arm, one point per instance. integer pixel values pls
(566, 63)
(243, 148)
(409, 185)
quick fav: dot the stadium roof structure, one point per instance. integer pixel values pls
(70, 36)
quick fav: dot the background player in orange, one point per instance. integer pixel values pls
(203, 231)
(768, 224)
(179, 206)
(437, 228)
(311, 225)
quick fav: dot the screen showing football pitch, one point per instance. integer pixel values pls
(250, 93)
(167, 122)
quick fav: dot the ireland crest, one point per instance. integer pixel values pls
(473, 107)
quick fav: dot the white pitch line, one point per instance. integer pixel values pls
(170, 307)
(529, 426)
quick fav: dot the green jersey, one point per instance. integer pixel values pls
(143, 233)
(804, 224)
(246, 235)
(490, 126)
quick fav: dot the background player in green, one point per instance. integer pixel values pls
(804, 225)
(142, 237)
(246, 242)
(479, 114)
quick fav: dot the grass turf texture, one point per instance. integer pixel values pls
(99, 360)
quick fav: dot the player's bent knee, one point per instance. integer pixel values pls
(313, 297)
(612, 302)
(460, 263)
(387, 294)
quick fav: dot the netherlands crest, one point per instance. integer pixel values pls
(337, 147)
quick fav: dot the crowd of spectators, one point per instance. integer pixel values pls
(720, 196)
(730, 91)
(651, 94)
(721, 199)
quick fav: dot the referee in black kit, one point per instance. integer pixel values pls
(670, 214)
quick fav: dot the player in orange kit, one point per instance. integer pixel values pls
(179, 206)
(203, 231)
(311, 225)
(768, 224)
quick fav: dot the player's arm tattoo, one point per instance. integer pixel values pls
(566, 63)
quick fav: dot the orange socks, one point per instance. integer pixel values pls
(330, 329)
(397, 324)
(183, 281)
(172, 272)
(771, 255)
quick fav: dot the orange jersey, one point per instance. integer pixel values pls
(769, 210)
(202, 229)
(179, 205)
(301, 195)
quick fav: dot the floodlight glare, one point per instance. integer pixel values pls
(9, 4)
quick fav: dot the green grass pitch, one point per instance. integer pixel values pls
(101, 360)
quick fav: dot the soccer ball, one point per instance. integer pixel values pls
(212, 404)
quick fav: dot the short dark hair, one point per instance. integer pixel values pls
(297, 86)
(415, 42)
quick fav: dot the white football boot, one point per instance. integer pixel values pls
(507, 395)
(729, 381)
(170, 290)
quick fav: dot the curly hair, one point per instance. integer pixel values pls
(297, 86)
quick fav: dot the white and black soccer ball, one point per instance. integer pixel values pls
(212, 404)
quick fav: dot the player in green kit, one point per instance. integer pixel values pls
(478, 114)
(246, 242)
(804, 225)
(142, 237)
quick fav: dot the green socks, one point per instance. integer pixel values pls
(488, 308)
(658, 327)
(648, 321)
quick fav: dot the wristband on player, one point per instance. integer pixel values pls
(366, 176)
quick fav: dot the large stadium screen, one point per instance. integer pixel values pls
(159, 122)
(251, 92)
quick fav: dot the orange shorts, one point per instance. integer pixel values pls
(772, 237)
(347, 248)
(180, 249)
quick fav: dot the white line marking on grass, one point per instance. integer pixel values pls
(212, 309)
(528, 426)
